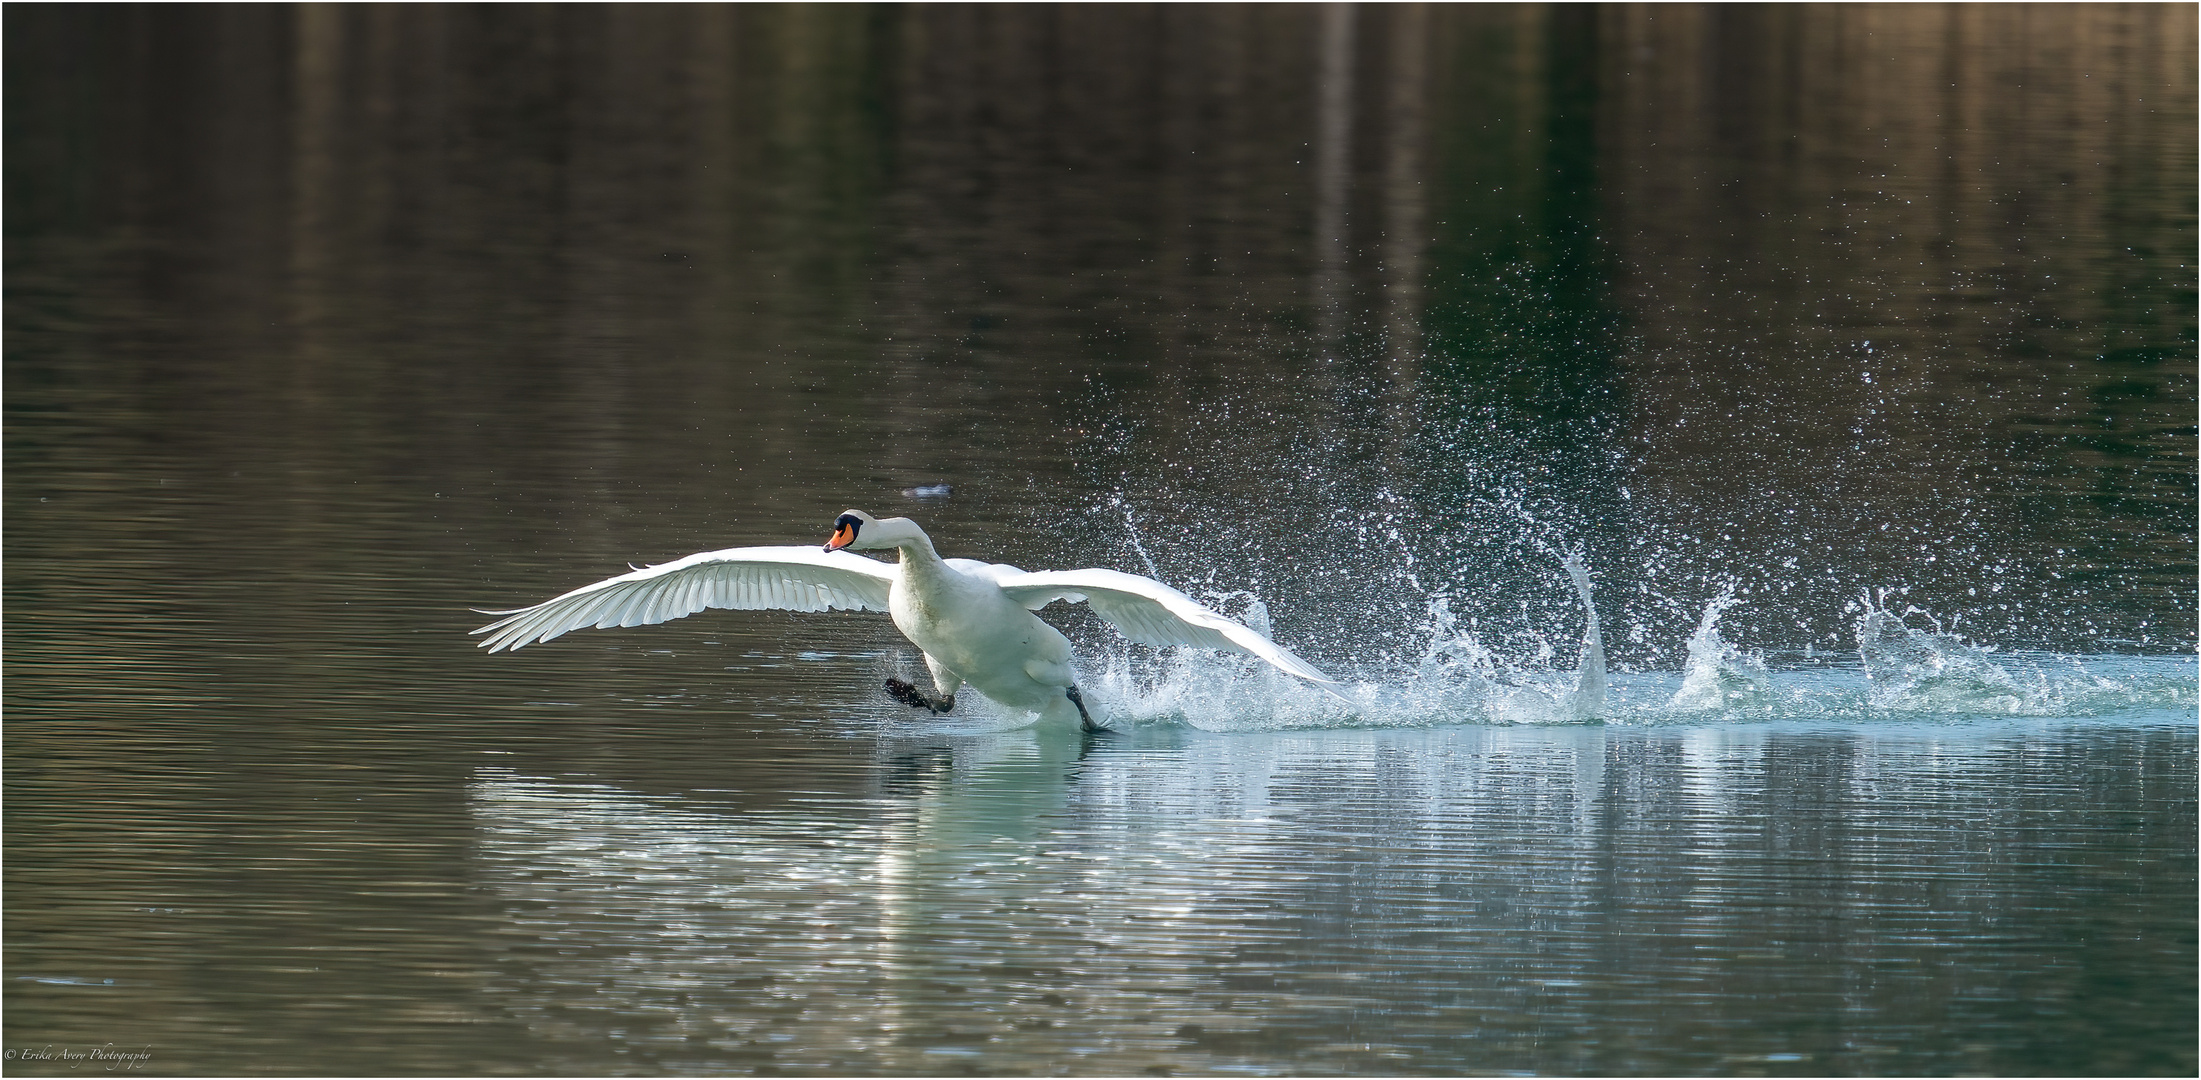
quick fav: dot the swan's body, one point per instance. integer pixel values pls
(973, 620)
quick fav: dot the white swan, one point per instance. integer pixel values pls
(973, 620)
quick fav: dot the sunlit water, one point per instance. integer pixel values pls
(1551, 900)
(1748, 508)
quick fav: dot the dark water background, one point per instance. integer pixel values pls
(324, 324)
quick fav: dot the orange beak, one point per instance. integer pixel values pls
(842, 537)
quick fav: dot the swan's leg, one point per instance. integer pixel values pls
(1079, 701)
(944, 681)
(917, 699)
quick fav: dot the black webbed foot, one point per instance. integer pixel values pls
(917, 699)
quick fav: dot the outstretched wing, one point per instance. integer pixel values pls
(1151, 613)
(746, 578)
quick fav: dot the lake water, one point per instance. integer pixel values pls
(1852, 349)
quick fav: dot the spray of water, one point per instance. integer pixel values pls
(1900, 673)
(1921, 670)
(1717, 677)
(1468, 617)
(1455, 679)
(1131, 533)
(1588, 702)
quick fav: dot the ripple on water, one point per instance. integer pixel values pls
(1258, 902)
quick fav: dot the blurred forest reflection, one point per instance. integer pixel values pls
(1810, 298)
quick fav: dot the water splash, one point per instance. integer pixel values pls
(1589, 686)
(1456, 679)
(1243, 605)
(1900, 673)
(1131, 532)
(1934, 671)
(1419, 642)
(1717, 677)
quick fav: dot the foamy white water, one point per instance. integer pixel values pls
(1905, 668)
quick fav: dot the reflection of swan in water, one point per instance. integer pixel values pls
(973, 620)
(819, 929)
(1029, 901)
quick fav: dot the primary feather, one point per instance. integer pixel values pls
(744, 578)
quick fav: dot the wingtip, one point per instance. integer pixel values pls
(496, 642)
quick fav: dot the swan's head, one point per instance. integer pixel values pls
(848, 528)
(859, 531)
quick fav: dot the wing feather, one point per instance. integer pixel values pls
(615, 603)
(1151, 613)
(687, 598)
(659, 607)
(632, 608)
(752, 578)
(673, 602)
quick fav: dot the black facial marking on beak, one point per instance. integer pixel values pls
(845, 529)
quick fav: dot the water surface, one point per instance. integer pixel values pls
(1850, 348)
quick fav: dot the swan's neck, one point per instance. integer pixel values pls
(916, 548)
